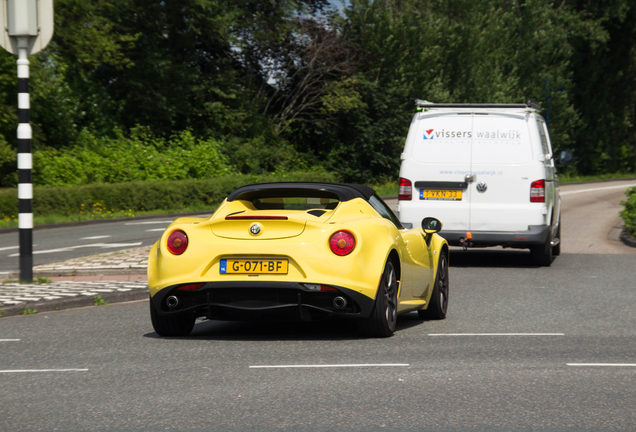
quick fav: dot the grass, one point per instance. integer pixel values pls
(564, 178)
(99, 300)
(386, 189)
(28, 311)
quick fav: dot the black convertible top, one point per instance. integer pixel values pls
(341, 191)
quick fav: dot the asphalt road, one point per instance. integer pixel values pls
(60, 244)
(550, 349)
(522, 349)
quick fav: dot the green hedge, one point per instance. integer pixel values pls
(141, 196)
(629, 214)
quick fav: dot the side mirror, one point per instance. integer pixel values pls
(430, 225)
(565, 157)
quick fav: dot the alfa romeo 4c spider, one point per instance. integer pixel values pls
(298, 251)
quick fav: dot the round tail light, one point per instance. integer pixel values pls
(177, 242)
(342, 243)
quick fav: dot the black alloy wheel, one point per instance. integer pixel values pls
(438, 305)
(171, 325)
(383, 318)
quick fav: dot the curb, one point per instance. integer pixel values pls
(82, 272)
(627, 239)
(84, 301)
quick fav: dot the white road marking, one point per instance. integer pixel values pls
(604, 364)
(10, 247)
(9, 340)
(97, 245)
(42, 370)
(332, 365)
(496, 334)
(112, 245)
(148, 223)
(95, 237)
(596, 189)
(155, 229)
(45, 251)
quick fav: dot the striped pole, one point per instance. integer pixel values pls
(25, 165)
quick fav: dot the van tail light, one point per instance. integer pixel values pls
(537, 191)
(342, 243)
(405, 193)
(177, 242)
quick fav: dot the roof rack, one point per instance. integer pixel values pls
(426, 104)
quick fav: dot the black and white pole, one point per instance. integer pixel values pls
(25, 165)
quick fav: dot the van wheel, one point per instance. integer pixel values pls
(541, 255)
(556, 250)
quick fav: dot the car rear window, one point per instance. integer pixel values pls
(295, 203)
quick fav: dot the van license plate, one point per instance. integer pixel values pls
(254, 266)
(435, 194)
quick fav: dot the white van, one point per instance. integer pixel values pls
(487, 172)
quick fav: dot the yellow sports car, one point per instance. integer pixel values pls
(298, 251)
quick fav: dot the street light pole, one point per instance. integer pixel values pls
(26, 27)
(25, 166)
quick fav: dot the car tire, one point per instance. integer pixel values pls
(541, 255)
(171, 325)
(556, 250)
(438, 305)
(383, 318)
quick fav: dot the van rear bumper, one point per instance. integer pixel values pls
(535, 235)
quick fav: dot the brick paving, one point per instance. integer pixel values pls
(129, 261)
(114, 276)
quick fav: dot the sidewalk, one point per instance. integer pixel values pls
(110, 277)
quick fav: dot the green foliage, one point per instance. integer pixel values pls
(369, 139)
(142, 156)
(629, 213)
(43, 280)
(99, 300)
(127, 198)
(139, 90)
(8, 163)
(28, 311)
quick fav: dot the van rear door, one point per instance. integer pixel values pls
(502, 168)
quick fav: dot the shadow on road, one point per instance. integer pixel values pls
(490, 258)
(328, 329)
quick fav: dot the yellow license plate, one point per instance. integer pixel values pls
(254, 266)
(436, 194)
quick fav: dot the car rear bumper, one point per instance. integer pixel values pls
(535, 235)
(255, 300)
